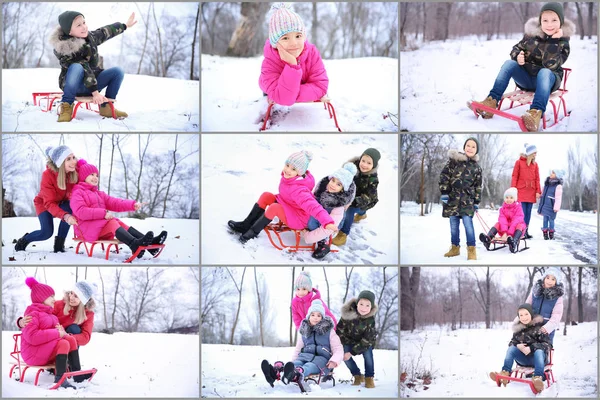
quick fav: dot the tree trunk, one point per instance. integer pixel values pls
(112, 157)
(260, 317)
(291, 299)
(118, 279)
(245, 34)
(580, 21)
(141, 157)
(531, 278)
(422, 187)
(487, 301)
(124, 167)
(101, 137)
(415, 278)
(171, 176)
(194, 43)
(405, 311)
(567, 273)
(590, 21)
(579, 295)
(348, 276)
(160, 46)
(239, 306)
(103, 298)
(315, 25)
(327, 282)
(460, 302)
(146, 22)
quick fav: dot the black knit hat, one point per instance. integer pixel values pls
(374, 154)
(66, 20)
(366, 294)
(476, 142)
(527, 307)
(557, 8)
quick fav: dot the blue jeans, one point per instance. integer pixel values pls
(313, 223)
(47, 225)
(536, 359)
(309, 367)
(369, 363)
(349, 218)
(552, 337)
(455, 229)
(110, 79)
(542, 83)
(73, 329)
(527, 207)
(548, 223)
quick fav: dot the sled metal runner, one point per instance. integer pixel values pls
(22, 367)
(499, 243)
(521, 371)
(275, 230)
(523, 97)
(50, 97)
(326, 105)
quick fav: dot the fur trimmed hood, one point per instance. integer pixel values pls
(333, 200)
(65, 44)
(549, 293)
(533, 28)
(349, 311)
(536, 320)
(356, 160)
(322, 328)
(458, 155)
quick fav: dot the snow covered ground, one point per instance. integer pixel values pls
(233, 180)
(234, 371)
(361, 90)
(153, 104)
(437, 80)
(460, 362)
(576, 239)
(181, 247)
(126, 368)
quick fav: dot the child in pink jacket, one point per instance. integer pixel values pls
(511, 222)
(92, 209)
(294, 204)
(305, 294)
(292, 70)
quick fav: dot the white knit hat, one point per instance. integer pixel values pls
(58, 154)
(511, 192)
(85, 290)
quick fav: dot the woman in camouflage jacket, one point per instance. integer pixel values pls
(77, 51)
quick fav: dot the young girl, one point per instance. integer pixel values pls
(366, 182)
(536, 63)
(357, 333)
(460, 184)
(529, 346)
(92, 208)
(305, 295)
(511, 222)
(44, 340)
(52, 200)
(546, 299)
(77, 51)
(550, 202)
(526, 178)
(334, 192)
(292, 71)
(294, 204)
(318, 349)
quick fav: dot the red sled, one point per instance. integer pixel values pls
(275, 230)
(326, 105)
(497, 242)
(523, 97)
(22, 367)
(50, 97)
(523, 371)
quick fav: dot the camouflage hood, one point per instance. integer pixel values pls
(349, 311)
(533, 28)
(461, 180)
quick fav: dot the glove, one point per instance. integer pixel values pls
(476, 207)
(445, 198)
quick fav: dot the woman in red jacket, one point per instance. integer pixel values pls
(53, 199)
(526, 178)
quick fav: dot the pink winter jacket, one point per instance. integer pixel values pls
(334, 342)
(40, 336)
(321, 233)
(89, 206)
(298, 201)
(300, 306)
(511, 218)
(288, 84)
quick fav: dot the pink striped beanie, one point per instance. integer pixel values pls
(283, 20)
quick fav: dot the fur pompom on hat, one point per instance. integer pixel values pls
(316, 306)
(84, 169)
(557, 8)
(513, 192)
(283, 20)
(39, 291)
(345, 175)
(300, 161)
(58, 154)
(303, 281)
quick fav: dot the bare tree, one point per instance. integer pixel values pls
(112, 157)
(117, 283)
(260, 316)
(291, 299)
(567, 272)
(196, 25)
(483, 295)
(348, 276)
(244, 39)
(575, 184)
(101, 139)
(579, 295)
(387, 302)
(580, 22)
(141, 158)
(125, 168)
(161, 59)
(590, 21)
(409, 290)
(327, 282)
(315, 24)
(103, 298)
(176, 161)
(531, 273)
(239, 306)
(147, 25)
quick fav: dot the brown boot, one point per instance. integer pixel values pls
(490, 102)
(340, 239)
(358, 380)
(531, 119)
(105, 111)
(503, 373)
(453, 252)
(369, 382)
(538, 384)
(471, 253)
(358, 217)
(65, 112)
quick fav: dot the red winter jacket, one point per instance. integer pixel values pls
(526, 178)
(65, 320)
(40, 336)
(50, 195)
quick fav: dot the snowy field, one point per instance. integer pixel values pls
(460, 362)
(439, 78)
(181, 247)
(576, 239)
(153, 104)
(361, 91)
(125, 368)
(232, 182)
(223, 375)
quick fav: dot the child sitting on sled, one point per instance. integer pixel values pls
(305, 295)
(511, 222)
(318, 349)
(529, 346)
(92, 209)
(550, 201)
(44, 340)
(335, 193)
(536, 63)
(292, 70)
(293, 206)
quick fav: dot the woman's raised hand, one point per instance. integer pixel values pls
(131, 21)
(286, 56)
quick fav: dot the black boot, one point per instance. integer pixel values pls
(513, 242)
(289, 373)
(322, 249)
(160, 239)
(255, 229)
(545, 232)
(269, 371)
(487, 239)
(22, 243)
(59, 244)
(61, 368)
(551, 234)
(132, 242)
(243, 226)
(527, 235)
(76, 366)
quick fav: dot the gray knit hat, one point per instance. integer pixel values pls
(66, 20)
(58, 154)
(367, 294)
(374, 154)
(557, 8)
(527, 307)
(85, 290)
